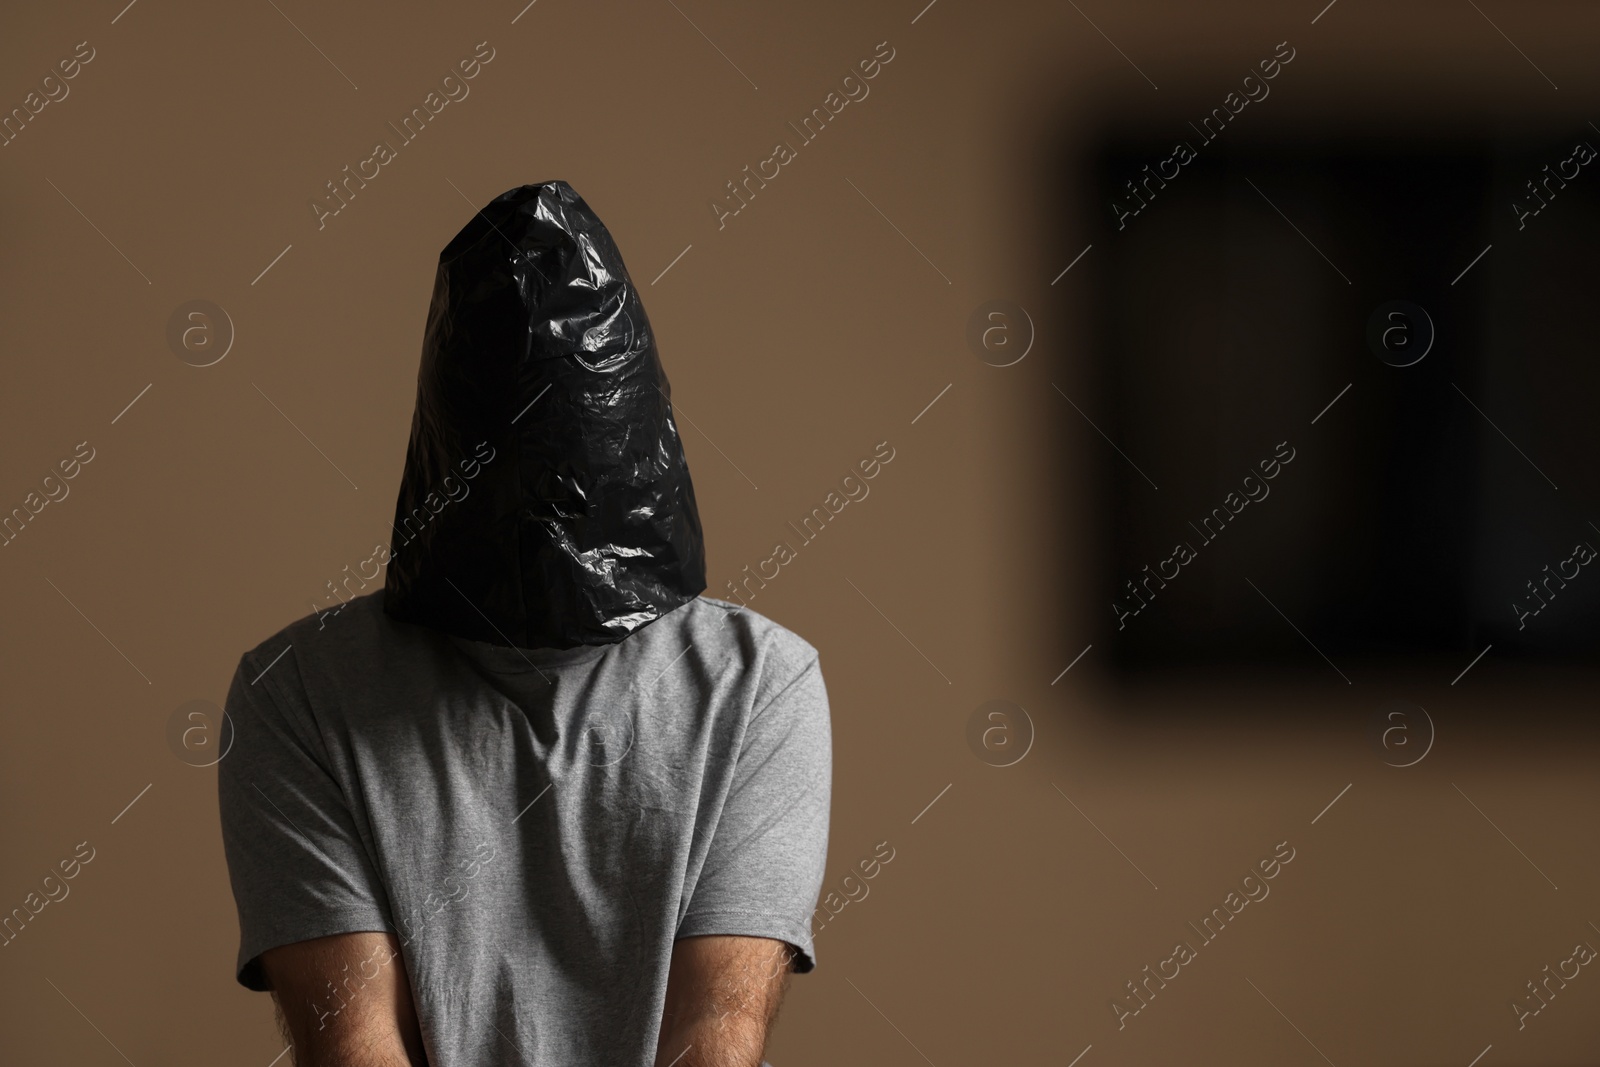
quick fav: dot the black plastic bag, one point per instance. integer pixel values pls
(545, 502)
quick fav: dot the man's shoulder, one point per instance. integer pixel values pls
(754, 642)
(730, 622)
(319, 635)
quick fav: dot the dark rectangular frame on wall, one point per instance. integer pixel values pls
(1347, 384)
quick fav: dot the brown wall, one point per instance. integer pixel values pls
(797, 337)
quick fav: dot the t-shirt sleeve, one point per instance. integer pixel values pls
(298, 866)
(765, 865)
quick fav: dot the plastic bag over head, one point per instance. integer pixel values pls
(546, 501)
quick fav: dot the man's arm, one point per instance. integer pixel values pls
(723, 994)
(345, 1001)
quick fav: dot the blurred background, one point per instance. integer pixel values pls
(1237, 363)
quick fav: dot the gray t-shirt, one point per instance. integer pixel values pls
(537, 826)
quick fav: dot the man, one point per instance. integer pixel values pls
(535, 802)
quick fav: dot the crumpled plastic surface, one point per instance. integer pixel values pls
(546, 501)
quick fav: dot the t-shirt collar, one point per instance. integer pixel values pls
(504, 660)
